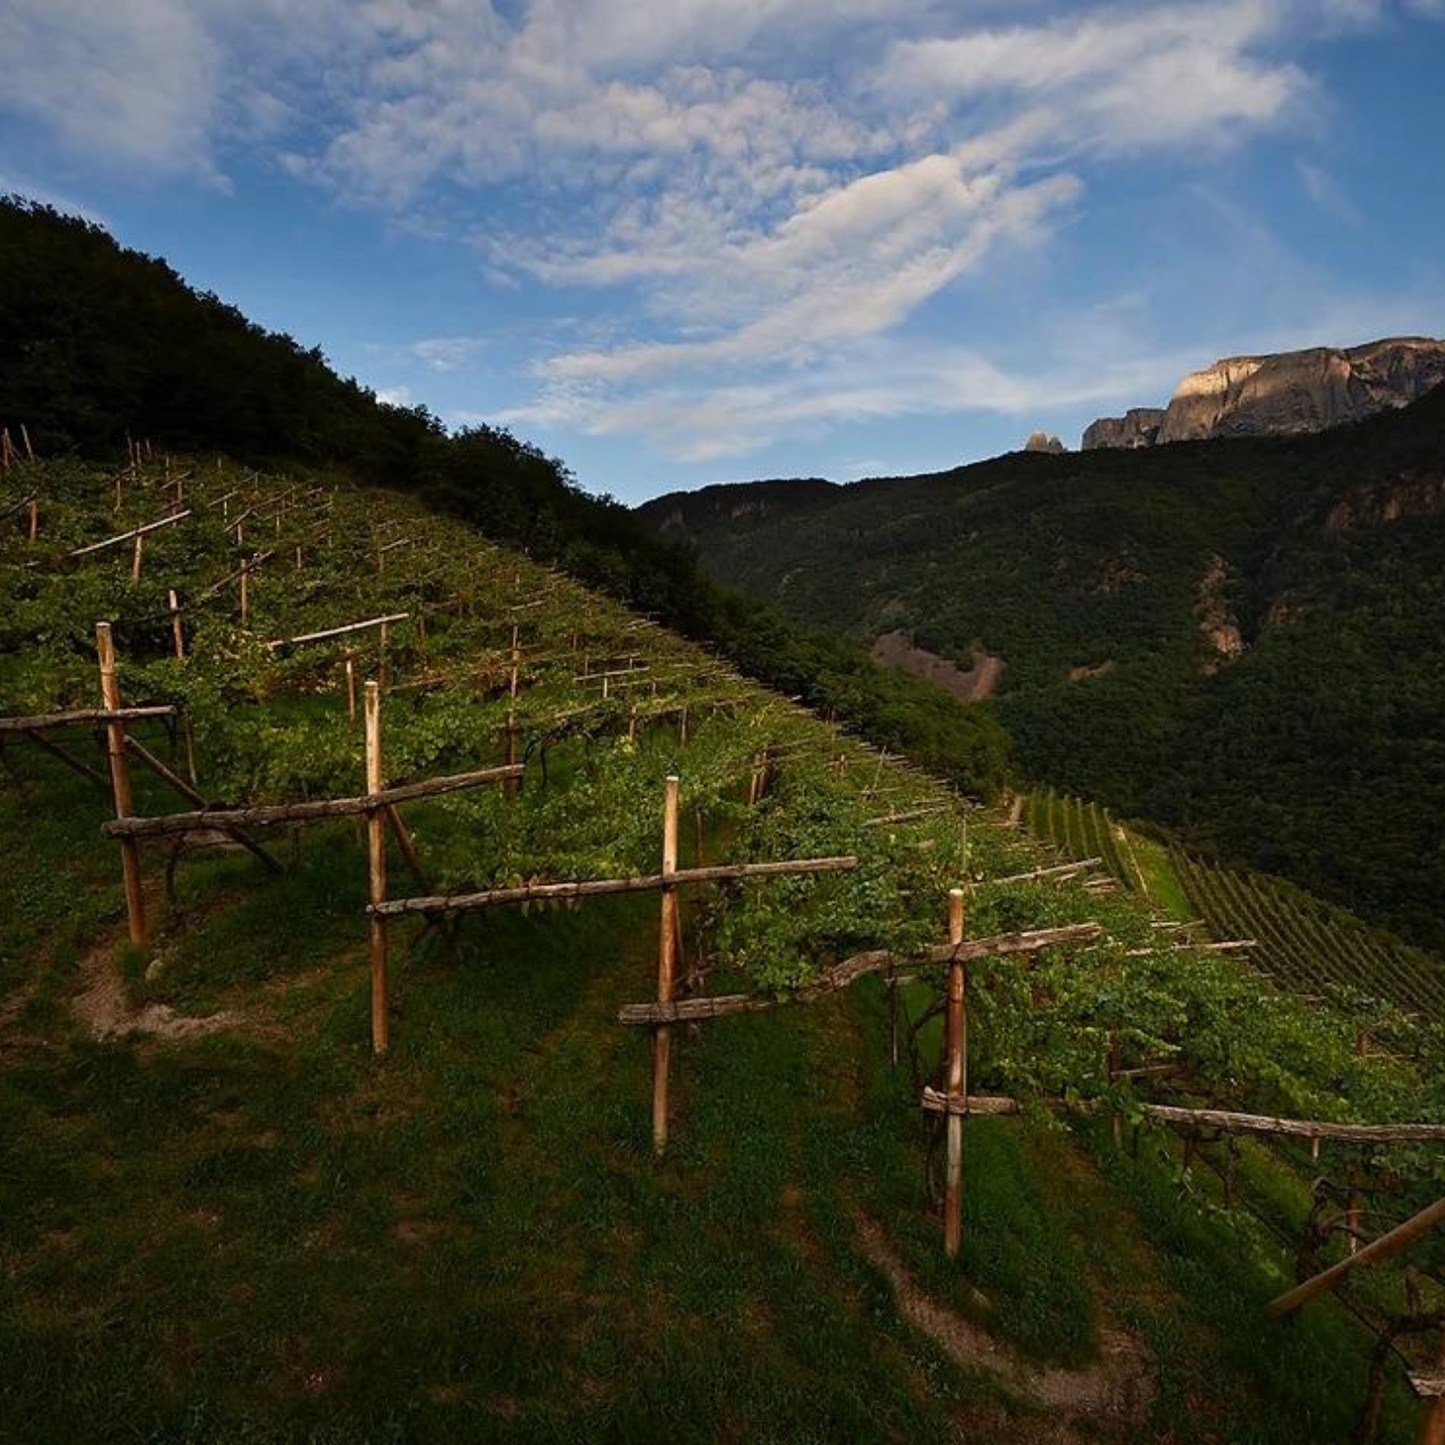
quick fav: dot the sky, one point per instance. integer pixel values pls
(675, 242)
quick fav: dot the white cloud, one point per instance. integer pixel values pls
(131, 80)
(759, 183)
(445, 353)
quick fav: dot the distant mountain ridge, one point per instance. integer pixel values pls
(1282, 394)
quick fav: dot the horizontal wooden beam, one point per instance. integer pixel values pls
(841, 975)
(1225, 1120)
(45, 721)
(1059, 870)
(268, 815)
(604, 887)
(131, 535)
(339, 631)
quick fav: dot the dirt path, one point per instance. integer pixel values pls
(103, 1007)
(1110, 1399)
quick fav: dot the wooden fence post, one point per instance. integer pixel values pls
(514, 676)
(120, 784)
(350, 691)
(34, 519)
(245, 582)
(178, 636)
(138, 558)
(376, 861)
(1116, 1063)
(956, 1043)
(1432, 1423)
(666, 965)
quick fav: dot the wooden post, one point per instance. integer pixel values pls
(25, 437)
(956, 1044)
(245, 583)
(1116, 1122)
(1432, 1423)
(350, 691)
(666, 965)
(135, 565)
(376, 859)
(178, 636)
(120, 784)
(381, 668)
(34, 519)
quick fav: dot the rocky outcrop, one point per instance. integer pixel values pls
(1286, 393)
(1042, 441)
(1138, 427)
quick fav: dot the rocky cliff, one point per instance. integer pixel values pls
(1283, 394)
(1042, 441)
(1138, 427)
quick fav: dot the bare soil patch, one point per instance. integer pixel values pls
(894, 649)
(106, 1010)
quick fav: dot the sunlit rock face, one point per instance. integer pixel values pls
(1138, 427)
(1042, 441)
(1286, 393)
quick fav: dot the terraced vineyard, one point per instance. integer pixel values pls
(1304, 943)
(226, 1219)
(1308, 944)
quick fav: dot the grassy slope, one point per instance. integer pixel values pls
(266, 1234)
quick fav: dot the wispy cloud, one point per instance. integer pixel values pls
(768, 193)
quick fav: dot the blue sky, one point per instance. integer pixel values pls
(683, 241)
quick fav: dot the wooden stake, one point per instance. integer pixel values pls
(34, 519)
(350, 691)
(1432, 1423)
(376, 859)
(25, 437)
(120, 784)
(135, 564)
(956, 1043)
(244, 582)
(381, 669)
(178, 636)
(666, 965)
(1116, 1060)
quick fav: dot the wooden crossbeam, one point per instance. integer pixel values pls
(269, 815)
(1061, 870)
(181, 786)
(45, 721)
(841, 975)
(1382, 1248)
(339, 631)
(131, 535)
(604, 887)
(1226, 1120)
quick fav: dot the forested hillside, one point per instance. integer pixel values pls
(1237, 638)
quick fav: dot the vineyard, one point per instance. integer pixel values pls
(435, 1000)
(1303, 943)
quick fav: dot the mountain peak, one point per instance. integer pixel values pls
(1283, 393)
